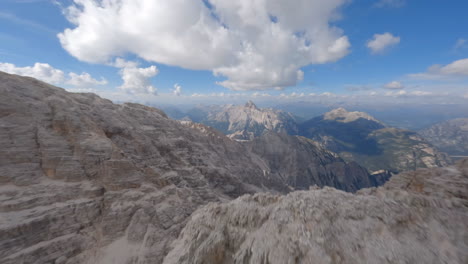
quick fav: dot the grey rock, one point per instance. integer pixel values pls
(417, 217)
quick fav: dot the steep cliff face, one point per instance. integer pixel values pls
(450, 136)
(358, 137)
(245, 122)
(83, 180)
(417, 217)
(301, 162)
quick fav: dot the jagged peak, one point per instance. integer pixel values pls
(251, 104)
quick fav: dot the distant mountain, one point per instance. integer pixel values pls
(245, 122)
(450, 136)
(359, 137)
(300, 163)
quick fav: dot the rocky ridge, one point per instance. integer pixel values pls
(417, 217)
(358, 137)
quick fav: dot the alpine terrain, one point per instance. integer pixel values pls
(83, 180)
(359, 137)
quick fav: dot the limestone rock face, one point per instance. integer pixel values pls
(83, 180)
(417, 217)
(246, 122)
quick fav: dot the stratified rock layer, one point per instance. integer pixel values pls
(417, 217)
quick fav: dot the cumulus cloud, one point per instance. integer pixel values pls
(49, 74)
(394, 85)
(84, 80)
(41, 71)
(455, 69)
(381, 42)
(254, 45)
(138, 80)
(177, 90)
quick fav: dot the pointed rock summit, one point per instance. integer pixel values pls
(251, 104)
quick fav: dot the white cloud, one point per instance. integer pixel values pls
(177, 90)
(394, 85)
(49, 74)
(84, 80)
(390, 3)
(256, 45)
(41, 71)
(455, 69)
(396, 93)
(380, 42)
(421, 93)
(136, 80)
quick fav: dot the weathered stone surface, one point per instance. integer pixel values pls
(417, 217)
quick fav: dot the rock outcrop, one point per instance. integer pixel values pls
(358, 137)
(417, 217)
(83, 180)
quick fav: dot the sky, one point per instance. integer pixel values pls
(222, 51)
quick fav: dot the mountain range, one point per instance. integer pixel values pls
(355, 136)
(84, 180)
(360, 137)
(450, 136)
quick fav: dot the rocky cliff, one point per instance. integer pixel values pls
(83, 180)
(417, 217)
(300, 162)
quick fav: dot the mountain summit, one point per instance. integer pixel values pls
(342, 115)
(251, 104)
(246, 122)
(359, 137)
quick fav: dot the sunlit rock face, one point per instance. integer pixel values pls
(246, 122)
(417, 217)
(83, 180)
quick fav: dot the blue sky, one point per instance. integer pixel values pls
(421, 34)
